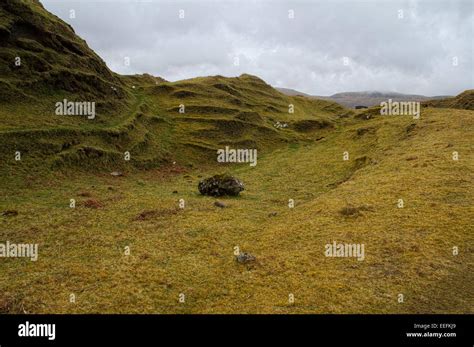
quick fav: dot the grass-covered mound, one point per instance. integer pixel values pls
(464, 101)
(141, 115)
(42, 61)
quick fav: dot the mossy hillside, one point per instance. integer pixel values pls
(243, 112)
(465, 101)
(55, 64)
(408, 250)
(155, 132)
(137, 114)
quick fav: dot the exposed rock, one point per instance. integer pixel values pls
(9, 213)
(244, 258)
(219, 185)
(220, 204)
(116, 173)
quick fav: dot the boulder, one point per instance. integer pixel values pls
(220, 185)
(244, 258)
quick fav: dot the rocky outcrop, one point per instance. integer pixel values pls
(220, 185)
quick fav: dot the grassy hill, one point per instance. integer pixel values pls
(136, 114)
(463, 101)
(190, 250)
(42, 60)
(218, 111)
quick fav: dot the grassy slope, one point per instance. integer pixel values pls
(408, 250)
(191, 251)
(138, 114)
(219, 111)
(465, 101)
(55, 64)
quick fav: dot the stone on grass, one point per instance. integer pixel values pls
(244, 258)
(220, 204)
(220, 185)
(9, 213)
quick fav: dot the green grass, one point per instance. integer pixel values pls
(137, 114)
(190, 251)
(154, 131)
(465, 101)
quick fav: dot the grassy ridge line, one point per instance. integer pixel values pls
(211, 121)
(118, 125)
(58, 65)
(465, 101)
(56, 147)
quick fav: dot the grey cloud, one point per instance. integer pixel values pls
(413, 54)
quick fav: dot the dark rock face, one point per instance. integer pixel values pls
(219, 185)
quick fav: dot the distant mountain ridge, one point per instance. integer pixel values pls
(365, 98)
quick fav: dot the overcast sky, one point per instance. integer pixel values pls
(417, 47)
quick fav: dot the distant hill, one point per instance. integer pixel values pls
(367, 98)
(465, 101)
